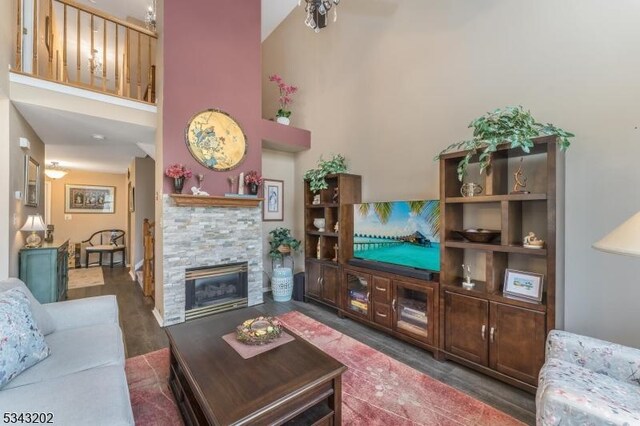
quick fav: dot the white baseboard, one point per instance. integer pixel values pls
(139, 265)
(132, 274)
(156, 314)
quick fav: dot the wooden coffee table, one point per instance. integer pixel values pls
(295, 383)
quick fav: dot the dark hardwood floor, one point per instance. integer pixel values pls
(143, 334)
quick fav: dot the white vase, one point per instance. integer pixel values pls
(283, 120)
(319, 223)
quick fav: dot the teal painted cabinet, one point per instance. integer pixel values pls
(45, 270)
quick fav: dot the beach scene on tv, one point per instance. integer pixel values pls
(399, 232)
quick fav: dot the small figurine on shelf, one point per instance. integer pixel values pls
(336, 195)
(467, 284)
(520, 181)
(241, 184)
(335, 248)
(336, 227)
(532, 241)
(316, 200)
(318, 255)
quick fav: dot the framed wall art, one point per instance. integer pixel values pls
(273, 204)
(527, 285)
(89, 199)
(31, 181)
(216, 140)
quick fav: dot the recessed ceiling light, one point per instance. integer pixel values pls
(98, 137)
(93, 1)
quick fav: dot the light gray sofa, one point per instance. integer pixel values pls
(83, 381)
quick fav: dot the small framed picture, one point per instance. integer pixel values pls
(273, 204)
(527, 285)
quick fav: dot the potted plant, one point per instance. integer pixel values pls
(511, 125)
(253, 181)
(282, 242)
(179, 173)
(316, 177)
(285, 99)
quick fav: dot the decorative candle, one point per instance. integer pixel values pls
(241, 184)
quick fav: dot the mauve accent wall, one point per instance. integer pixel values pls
(212, 59)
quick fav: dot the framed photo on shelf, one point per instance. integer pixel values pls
(526, 285)
(89, 199)
(273, 204)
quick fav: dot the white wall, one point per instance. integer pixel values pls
(281, 166)
(6, 48)
(394, 81)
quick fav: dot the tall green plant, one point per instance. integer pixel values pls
(511, 125)
(316, 177)
(281, 237)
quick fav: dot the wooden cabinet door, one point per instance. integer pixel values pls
(312, 279)
(517, 338)
(413, 311)
(330, 284)
(467, 327)
(356, 297)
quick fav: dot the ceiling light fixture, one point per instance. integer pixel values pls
(98, 137)
(55, 171)
(150, 17)
(95, 62)
(317, 11)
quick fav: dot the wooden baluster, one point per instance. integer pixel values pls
(57, 65)
(104, 55)
(65, 70)
(49, 38)
(79, 72)
(35, 39)
(139, 70)
(149, 97)
(117, 65)
(19, 37)
(128, 66)
(92, 58)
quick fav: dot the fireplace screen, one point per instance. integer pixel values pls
(216, 286)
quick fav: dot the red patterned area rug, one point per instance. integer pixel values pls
(377, 390)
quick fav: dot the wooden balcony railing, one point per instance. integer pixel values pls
(69, 43)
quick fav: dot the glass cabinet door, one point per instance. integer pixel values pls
(358, 293)
(413, 308)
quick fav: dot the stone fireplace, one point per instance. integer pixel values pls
(198, 237)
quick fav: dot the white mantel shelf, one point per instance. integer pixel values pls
(183, 200)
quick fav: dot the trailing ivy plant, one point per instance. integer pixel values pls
(281, 237)
(511, 125)
(316, 177)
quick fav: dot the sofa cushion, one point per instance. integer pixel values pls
(42, 317)
(21, 343)
(572, 395)
(94, 397)
(74, 350)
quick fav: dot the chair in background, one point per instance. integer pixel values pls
(106, 241)
(586, 381)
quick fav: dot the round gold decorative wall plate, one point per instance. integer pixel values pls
(216, 140)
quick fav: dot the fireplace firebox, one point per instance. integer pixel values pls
(213, 289)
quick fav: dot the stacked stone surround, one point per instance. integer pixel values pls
(207, 236)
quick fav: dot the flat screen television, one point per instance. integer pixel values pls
(402, 233)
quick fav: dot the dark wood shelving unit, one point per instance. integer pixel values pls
(483, 328)
(322, 273)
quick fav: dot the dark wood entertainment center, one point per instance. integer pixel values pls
(482, 328)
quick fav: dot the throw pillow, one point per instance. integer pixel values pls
(21, 343)
(42, 317)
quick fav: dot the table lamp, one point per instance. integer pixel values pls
(625, 239)
(34, 224)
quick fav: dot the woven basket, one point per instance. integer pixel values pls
(284, 249)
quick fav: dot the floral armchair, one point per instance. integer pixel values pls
(586, 381)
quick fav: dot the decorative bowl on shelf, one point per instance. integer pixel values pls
(478, 235)
(319, 223)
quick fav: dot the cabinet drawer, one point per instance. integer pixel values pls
(381, 290)
(382, 314)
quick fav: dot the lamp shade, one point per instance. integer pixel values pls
(625, 239)
(34, 223)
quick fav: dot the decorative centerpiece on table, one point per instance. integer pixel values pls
(253, 181)
(259, 331)
(178, 173)
(285, 99)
